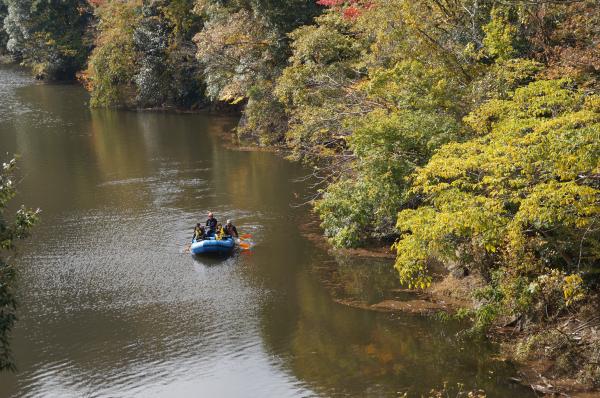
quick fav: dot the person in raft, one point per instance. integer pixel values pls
(220, 232)
(198, 233)
(230, 229)
(211, 224)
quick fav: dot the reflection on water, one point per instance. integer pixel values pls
(111, 305)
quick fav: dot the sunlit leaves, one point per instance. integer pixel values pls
(144, 56)
(236, 50)
(11, 230)
(499, 35)
(52, 37)
(525, 190)
(388, 147)
(243, 43)
(112, 65)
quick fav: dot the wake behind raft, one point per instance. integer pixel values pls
(212, 245)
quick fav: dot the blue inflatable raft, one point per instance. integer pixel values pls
(213, 246)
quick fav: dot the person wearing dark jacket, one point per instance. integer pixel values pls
(211, 224)
(230, 229)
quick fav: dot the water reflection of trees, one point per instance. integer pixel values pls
(338, 349)
(365, 280)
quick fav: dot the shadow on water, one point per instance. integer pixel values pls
(214, 259)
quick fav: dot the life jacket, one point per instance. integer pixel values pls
(198, 234)
(220, 234)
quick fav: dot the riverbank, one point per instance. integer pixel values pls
(562, 363)
(558, 359)
(565, 363)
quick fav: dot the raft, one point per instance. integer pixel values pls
(213, 246)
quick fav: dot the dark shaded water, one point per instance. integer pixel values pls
(111, 306)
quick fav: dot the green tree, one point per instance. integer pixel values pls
(113, 63)
(523, 196)
(144, 55)
(151, 39)
(438, 60)
(52, 37)
(243, 49)
(368, 101)
(236, 51)
(167, 73)
(11, 231)
(388, 146)
(317, 87)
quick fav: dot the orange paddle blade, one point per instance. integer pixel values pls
(246, 236)
(244, 246)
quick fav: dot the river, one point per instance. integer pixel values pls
(112, 306)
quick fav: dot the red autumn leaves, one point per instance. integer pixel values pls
(350, 9)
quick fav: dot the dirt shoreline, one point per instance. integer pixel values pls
(448, 294)
(535, 374)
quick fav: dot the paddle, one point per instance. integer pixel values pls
(244, 245)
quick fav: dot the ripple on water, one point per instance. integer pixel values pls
(9, 82)
(157, 320)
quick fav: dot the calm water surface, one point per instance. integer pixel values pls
(112, 306)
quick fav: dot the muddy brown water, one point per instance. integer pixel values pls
(112, 306)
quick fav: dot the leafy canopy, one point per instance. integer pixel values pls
(525, 191)
(53, 37)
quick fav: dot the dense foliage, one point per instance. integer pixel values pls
(522, 194)
(168, 73)
(11, 230)
(53, 37)
(243, 49)
(144, 56)
(3, 34)
(112, 64)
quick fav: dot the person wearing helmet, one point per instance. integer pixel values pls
(230, 229)
(211, 224)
